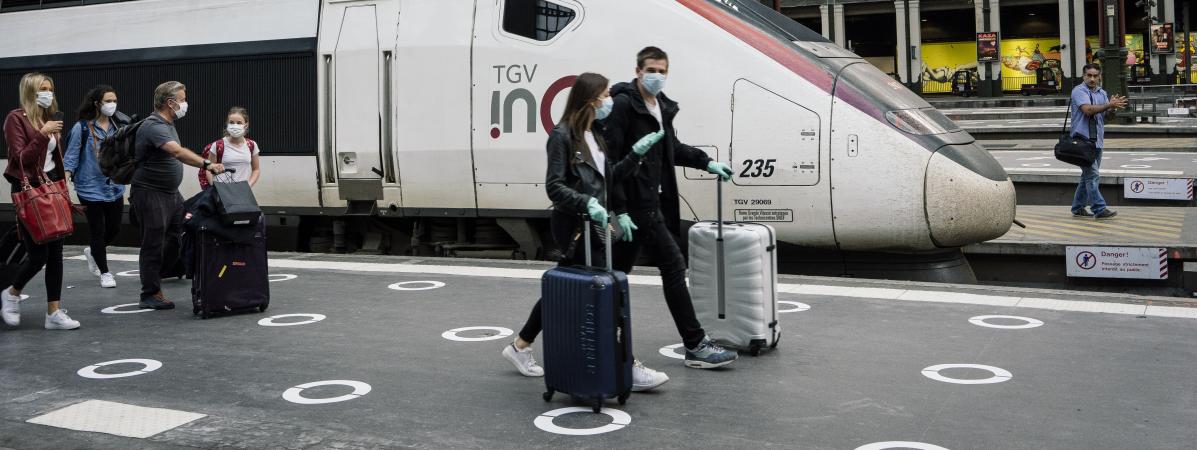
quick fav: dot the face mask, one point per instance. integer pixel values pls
(108, 109)
(45, 99)
(182, 111)
(654, 83)
(603, 111)
(236, 130)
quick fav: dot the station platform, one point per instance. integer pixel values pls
(861, 365)
(1136, 145)
(1049, 229)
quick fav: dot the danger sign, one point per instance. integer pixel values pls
(1149, 263)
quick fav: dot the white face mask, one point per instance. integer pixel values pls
(108, 109)
(236, 130)
(45, 99)
(182, 111)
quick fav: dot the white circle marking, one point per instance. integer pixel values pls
(431, 285)
(452, 334)
(1135, 166)
(798, 306)
(112, 309)
(670, 351)
(90, 371)
(129, 273)
(981, 322)
(899, 444)
(270, 321)
(293, 394)
(285, 277)
(619, 419)
(999, 374)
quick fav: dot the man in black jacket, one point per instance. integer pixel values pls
(648, 200)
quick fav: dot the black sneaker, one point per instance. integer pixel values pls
(1082, 213)
(157, 301)
(1106, 214)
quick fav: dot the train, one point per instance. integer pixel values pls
(394, 125)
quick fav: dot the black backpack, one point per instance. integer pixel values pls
(118, 154)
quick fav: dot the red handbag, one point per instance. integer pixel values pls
(45, 210)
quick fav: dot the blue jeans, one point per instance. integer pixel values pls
(1087, 192)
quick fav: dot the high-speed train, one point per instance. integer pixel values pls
(392, 113)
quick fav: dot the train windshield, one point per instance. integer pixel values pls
(752, 11)
(903, 108)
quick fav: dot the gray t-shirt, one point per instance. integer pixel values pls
(158, 170)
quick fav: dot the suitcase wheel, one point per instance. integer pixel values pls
(598, 405)
(623, 398)
(755, 350)
(262, 308)
(548, 395)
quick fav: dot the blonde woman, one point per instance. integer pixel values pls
(33, 140)
(234, 150)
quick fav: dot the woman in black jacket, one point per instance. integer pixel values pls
(576, 180)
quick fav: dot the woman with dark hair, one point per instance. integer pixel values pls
(576, 180)
(103, 199)
(34, 138)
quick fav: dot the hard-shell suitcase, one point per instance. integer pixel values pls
(733, 282)
(229, 276)
(587, 332)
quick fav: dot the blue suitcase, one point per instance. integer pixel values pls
(587, 335)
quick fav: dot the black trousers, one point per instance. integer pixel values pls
(654, 237)
(564, 227)
(48, 255)
(103, 223)
(160, 215)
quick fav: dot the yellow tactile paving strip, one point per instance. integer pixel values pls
(1133, 225)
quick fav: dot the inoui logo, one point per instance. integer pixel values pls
(501, 105)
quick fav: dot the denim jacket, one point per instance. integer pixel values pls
(80, 159)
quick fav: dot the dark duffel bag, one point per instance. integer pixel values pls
(236, 203)
(1076, 150)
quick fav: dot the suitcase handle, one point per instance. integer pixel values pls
(720, 275)
(586, 241)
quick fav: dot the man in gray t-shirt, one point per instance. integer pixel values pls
(155, 194)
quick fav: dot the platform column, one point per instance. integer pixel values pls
(909, 53)
(988, 20)
(1072, 42)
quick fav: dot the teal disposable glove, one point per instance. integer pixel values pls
(626, 226)
(641, 147)
(720, 169)
(596, 211)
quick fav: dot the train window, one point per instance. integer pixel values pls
(768, 19)
(536, 19)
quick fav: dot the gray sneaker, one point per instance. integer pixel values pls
(709, 356)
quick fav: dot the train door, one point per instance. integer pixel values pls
(522, 70)
(356, 57)
(779, 166)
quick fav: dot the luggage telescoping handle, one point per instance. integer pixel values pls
(586, 241)
(719, 247)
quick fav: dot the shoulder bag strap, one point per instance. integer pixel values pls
(1067, 114)
(1093, 122)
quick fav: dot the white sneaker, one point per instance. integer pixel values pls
(10, 307)
(644, 379)
(523, 361)
(91, 262)
(107, 280)
(60, 321)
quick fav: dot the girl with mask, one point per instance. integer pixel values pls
(234, 150)
(33, 138)
(577, 178)
(103, 199)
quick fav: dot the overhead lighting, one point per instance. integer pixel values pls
(1030, 14)
(924, 20)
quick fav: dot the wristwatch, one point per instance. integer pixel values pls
(207, 163)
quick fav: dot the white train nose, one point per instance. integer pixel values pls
(968, 196)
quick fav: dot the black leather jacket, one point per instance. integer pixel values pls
(573, 178)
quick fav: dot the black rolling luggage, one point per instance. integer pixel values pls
(12, 255)
(587, 331)
(229, 275)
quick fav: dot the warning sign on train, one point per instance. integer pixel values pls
(1149, 263)
(1158, 188)
(764, 215)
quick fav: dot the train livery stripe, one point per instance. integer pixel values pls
(154, 54)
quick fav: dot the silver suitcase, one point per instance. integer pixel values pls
(733, 282)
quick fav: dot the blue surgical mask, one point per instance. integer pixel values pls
(654, 83)
(603, 111)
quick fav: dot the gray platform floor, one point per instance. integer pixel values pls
(848, 371)
(1120, 164)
